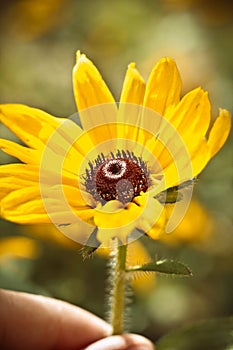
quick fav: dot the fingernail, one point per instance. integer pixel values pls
(121, 342)
(109, 343)
(139, 347)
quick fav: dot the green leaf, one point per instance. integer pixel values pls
(164, 266)
(215, 334)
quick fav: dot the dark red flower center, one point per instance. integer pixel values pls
(121, 178)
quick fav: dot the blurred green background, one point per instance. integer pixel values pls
(38, 44)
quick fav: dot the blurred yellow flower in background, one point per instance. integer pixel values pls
(142, 282)
(31, 19)
(195, 227)
(18, 247)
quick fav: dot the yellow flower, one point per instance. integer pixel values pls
(111, 176)
(195, 227)
(19, 247)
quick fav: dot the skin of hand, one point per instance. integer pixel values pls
(34, 322)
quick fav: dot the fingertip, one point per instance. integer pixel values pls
(122, 342)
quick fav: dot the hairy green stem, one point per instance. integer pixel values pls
(118, 294)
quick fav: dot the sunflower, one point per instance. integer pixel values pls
(109, 170)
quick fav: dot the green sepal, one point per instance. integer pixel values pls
(170, 267)
(169, 196)
(91, 245)
(173, 194)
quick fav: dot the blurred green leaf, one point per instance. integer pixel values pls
(214, 334)
(170, 267)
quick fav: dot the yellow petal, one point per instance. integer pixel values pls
(55, 163)
(153, 219)
(33, 211)
(30, 200)
(13, 216)
(16, 176)
(130, 110)
(89, 87)
(24, 205)
(100, 135)
(25, 154)
(63, 150)
(60, 146)
(183, 130)
(134, 86)
(66, 200)
(200, 157)
(163, 87)
(94, 101)
(191, 117)
(14, 173)
(22, 171)
(72, 195)
(21, 196)
(64, 137)
(31, 125)
(131, 134)
(10, 184)
(185, 166)
(219, 132)
(113, 220)
(36, 128)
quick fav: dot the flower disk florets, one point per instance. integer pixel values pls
(118, 177)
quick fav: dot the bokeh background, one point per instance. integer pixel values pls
(38, 41)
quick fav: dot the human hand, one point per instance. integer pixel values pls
(33, 322)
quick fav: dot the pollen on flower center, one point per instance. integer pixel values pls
(113, 169)
(121, 177)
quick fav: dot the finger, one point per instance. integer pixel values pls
(122, 342)
(36, 322)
